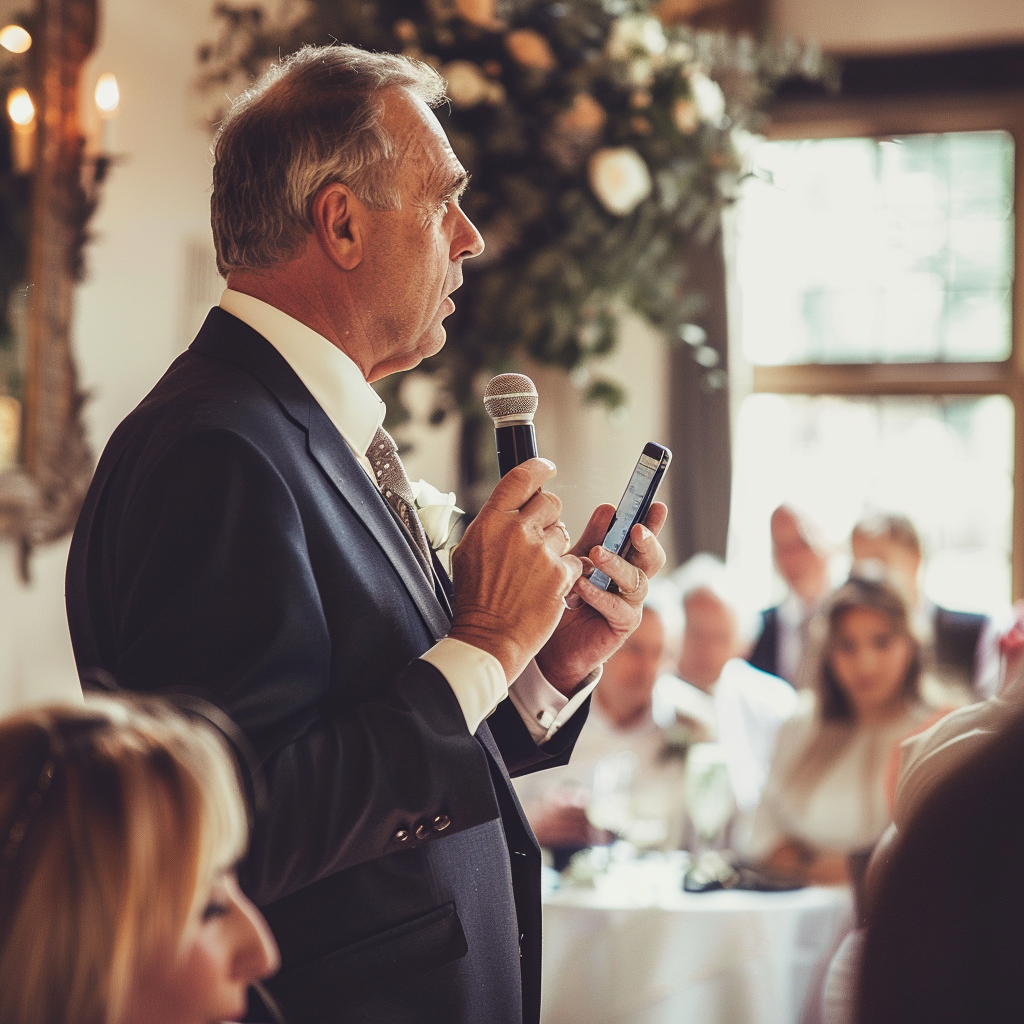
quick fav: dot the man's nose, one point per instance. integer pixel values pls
(468, 242)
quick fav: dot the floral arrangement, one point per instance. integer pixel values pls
(602, 143)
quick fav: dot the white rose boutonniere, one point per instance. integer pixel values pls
(439, 514)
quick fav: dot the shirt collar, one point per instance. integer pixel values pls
(330, 376)
(794, 613)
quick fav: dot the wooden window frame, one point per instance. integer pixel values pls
(832, 118)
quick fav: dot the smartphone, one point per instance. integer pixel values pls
(635, 503)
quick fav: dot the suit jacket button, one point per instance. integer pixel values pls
(441, 822)
(402, 835)
(422, 831)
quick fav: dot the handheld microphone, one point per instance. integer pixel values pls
(511, 400)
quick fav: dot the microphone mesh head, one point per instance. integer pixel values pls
(511, 397)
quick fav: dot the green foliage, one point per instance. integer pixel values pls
(602, 147)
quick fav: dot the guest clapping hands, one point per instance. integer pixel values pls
(119, 830)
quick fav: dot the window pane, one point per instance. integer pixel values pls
(947, 463)
(865, 250)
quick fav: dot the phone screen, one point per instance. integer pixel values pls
(633, 506)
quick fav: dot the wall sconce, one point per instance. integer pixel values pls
(22, 112)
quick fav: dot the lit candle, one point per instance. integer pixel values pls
(108, 98)
(15, 39)
(22, 112)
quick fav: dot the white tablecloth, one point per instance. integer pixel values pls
(701, 958)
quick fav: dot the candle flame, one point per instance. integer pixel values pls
(108, 96)
(20, 107)
(15, 39)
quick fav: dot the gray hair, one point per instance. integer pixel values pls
(708, 574)
(312, 120)
(663, 598)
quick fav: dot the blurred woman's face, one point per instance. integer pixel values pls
(226, 950)
(870, 661)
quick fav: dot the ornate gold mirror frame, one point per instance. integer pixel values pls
(40, 497)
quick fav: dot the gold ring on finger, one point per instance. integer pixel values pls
(636, 587)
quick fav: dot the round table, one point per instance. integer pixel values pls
(622, 953)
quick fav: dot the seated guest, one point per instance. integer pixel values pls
(740, 706)
(621, 719)
(946, 920)
(120, 826)
(801, 558)
(825, 797)
(959, 647)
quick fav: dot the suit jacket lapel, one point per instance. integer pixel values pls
(227, 338)
(329, 449)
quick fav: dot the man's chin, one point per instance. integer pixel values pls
(429, 345)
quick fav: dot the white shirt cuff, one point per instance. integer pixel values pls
(476, 678)
(542, 707)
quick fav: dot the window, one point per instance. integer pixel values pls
(875, 255)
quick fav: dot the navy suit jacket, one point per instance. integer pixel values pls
(765, 654)
(231, 547)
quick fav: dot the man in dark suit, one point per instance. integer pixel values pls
(251, 541)
(801, 558)
(958, 646)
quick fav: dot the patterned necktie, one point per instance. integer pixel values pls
(397, 491)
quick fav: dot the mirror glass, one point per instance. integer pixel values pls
(18, 160)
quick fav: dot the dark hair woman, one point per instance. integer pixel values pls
(825, 797)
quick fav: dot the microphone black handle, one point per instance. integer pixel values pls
(516, 444)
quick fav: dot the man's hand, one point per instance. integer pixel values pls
(561, 821)
(598, 622)
(513, 569)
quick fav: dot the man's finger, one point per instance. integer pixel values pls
(544, 509)
(629, 578)
(557, 539)
(595, 529)
(657, 515)
(573, 571)
(618, 612)
(518, 485)
(647, 553)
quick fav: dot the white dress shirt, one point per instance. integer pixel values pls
(338, 386)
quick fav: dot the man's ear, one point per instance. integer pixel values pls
(339, 223)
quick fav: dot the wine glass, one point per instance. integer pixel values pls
(609, 807)
(709, 797)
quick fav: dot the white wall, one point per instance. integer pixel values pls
(876, 26)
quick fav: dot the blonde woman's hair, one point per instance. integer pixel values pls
(115, 817)
(869, 586)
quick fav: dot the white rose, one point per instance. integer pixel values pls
(468, 86)
(635, 35)
(620, 179)
(709, 98)
(744, 145)
(436, 509)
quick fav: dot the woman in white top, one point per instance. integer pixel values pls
(825, 797)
